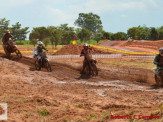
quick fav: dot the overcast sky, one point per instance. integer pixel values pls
(116, 15)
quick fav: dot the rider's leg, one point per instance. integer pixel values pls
(39, 58)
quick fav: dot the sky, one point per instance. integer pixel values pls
(116, 15)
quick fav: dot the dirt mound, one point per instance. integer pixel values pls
(76, 50)
(65, 95)
(112, 43)
(158, 43)
(142, 43)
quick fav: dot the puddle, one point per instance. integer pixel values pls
(115, 85)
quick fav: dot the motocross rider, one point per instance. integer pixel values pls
(6, 37)
(39, 50)
(158, 60)
(86, 50)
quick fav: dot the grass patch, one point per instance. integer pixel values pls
(79, 106)
(132, 63)
(105, 116)
(43, 112)
(91, 116)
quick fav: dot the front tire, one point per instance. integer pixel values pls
(48, 66)
(18, 53)
(159, 80)
(94, 69)
(37, 65)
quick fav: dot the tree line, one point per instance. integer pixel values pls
(89, 28)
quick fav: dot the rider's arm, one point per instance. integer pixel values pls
(44, 48)
(156, 59)
(92, 50)
(35, 49)
(82, 53)
(11, 36)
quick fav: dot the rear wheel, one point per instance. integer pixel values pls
(8, 54)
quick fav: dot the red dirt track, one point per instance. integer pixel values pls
(69, 96)
(134, 45)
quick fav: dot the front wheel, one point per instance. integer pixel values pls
(48, 66)
(94, 69)
(18, 53)
(159, 80)
(37, 65)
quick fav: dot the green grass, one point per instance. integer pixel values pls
(132, 63)
(79, 106)
(43, 112)
(91, 116)
(28, 42)
(88, 42)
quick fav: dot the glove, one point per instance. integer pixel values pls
(158, 64)
(35, 56)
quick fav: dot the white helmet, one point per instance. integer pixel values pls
(39, 43)
(161, 50)
(85, 45)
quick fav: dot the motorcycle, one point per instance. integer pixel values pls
(159, 77)
(11, 48)
(43, 62)
(91, 68)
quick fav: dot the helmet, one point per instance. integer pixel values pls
(7, 31)
(39, 43)
(161, 50)
(85, 45)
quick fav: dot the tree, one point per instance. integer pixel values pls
(84, 34)
(67, 36)
(33, 42)
(55, 35)
(107, 35)
(33, 37)
(89, 21)
(132, 32)
(67, 33)
(153, 34)
(18, 32)
(3, 26)
(98, 37)
(42, 32)
(46, 41)
(160, 33)
(139, 33)
(64, 27)
(144, 32)
(120, 36)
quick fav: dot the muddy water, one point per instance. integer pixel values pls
(114, 85)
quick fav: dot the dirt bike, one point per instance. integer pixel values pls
(11, 48)
(91, 68)
(159, 78)
(43, 62)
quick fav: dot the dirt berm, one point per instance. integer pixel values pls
(65, 95)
